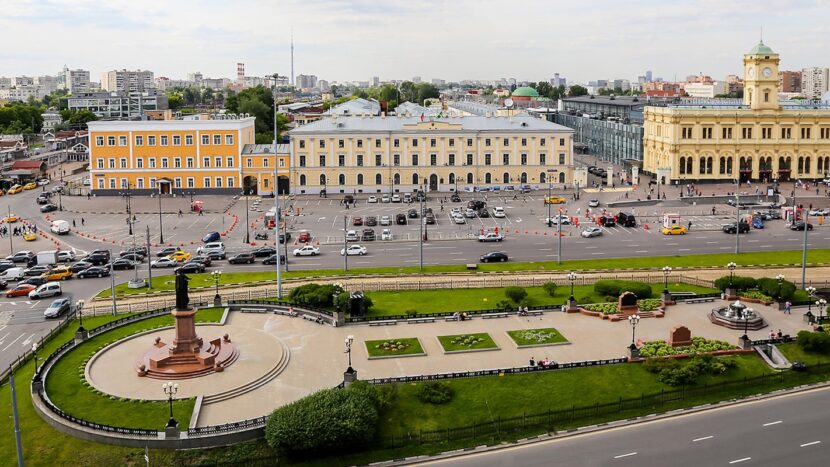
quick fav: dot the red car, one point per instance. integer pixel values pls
(304, 237)
(20, 290)
(357, 221)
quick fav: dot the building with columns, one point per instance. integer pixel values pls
(758, 138)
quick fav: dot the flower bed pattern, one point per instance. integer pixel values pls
(699, 345)
(467, 342)
(537, 337)
(384, 348)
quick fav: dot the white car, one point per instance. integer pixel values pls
(385, 220)
(455, 211)
(164, 263)
(490, 237)
(459, 219)
(555, 220)
(372, 199)
(396, 198)
(386, 234)
(49, 289)
(66, 256)
(354, 250)
(593, 203)
(308, 250)
(470, 213)
(351, 236)
(591, 232)
(820, 212)
(43, 182)
(385, 199)
(499, 212)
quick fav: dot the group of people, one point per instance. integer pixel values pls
(542, 362)
(18, 231)
(463, 316)
(775, 335)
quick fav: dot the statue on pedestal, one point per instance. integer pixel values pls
(182, 300)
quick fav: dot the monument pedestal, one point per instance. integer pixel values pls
(349, 377)
(571, 306)
(744, 342)
(730, 293)
(217, 300)
(339, 319)
(171, 432)
(81, 335)
(667, 298)
(633, 351)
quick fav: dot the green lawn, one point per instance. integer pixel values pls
(794, 353)
(790, 257)
(67, 389)
(534, 337)
(463, 342)
(394, 347)
(389, 303)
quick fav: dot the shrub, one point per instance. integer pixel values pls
(613, 288)
(769, 286)
(739, 282)
(504, 305)
(676, 373)
(435, 392)
(549, 288)
(818, 342)
(316, 295)
(330, 418)
(517, 294)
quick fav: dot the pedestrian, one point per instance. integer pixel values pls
(73, 222)
(82, 221)
(532, 362)
(788, 307)
(713, 210)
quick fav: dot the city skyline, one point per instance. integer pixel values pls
(330, 38)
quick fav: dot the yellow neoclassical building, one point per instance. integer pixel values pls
(758, 139)
(401, 153)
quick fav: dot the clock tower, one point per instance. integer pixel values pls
(761, 78)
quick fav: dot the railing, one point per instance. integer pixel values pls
(229, 427)
(782, 340)
(446, 314)
(700, 295)
(282, 304)
(23, 358)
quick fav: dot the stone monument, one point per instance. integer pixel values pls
(680, 336)
(187, 356)
(627, 304)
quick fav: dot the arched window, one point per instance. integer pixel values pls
(682, 166)
(505, 178)
(322, 179)
(766, 96)
(302, 180)
(523, 178)
(341, 179)
(807, 165)
(469, 177)
(689, 163)
(801, 165)
(378, 179)
(415, 179)
(709, 162)
(360, 179)
(729, 165)
(702, 168)
(561, 177)
(397, 179)
(452, 178)
(487, 178)
(542, 177)
(722, 165)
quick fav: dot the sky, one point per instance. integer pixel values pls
(353, 40)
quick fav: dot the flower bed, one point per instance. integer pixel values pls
(754, 296)
(699, 345)
(467, 342)
(536, 337)
(406, 346)
(610, 308)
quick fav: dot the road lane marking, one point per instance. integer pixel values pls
(740, 460)
(12, 342)
(773, 423)
(625, 455)
(684, 249)
(641, 251)
(702, 439)
(810, 444)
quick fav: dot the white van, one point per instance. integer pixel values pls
(49, 289)
(12, 274)
(59, 227)
(211, 247)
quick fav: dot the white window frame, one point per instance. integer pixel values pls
(191, 182)
(229, 139)
(177, 140)
(188, 140)
(99, 140)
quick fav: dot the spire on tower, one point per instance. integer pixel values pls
(292, 56)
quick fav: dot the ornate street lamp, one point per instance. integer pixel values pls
(810, 291)
(731, 266)
(633, 320)
(666, 272)
(780, 279)
(822, 303)
(79, 309)
(216, 275)
(170, 389)
(745, 316)
(349, 342)
(572, 277)
(34, 353)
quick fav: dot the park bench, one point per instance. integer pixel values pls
(252, 310)
(313, 318)
(535, 313)
(386, 322)
(495, 315)
(420, 320)
(699, 300)
(292, 314)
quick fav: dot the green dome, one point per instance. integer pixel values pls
(525, 91)
(761, 49)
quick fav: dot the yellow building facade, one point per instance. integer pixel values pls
(404, 153)
(759, 139)
(260, 167)
(169, 156)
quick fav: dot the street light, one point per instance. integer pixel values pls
(247, 222)
(731, 266)
(79, 309)
(349, 342)
(780, 279)
(810, 291)
(572, 277)
(161, 229)
(633, 320)
(745, 316)
(216, 275)
(34, 353)
(170, 389)
(822, 303)
(666, 272)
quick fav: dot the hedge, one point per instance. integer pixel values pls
(818, 342)
(613, 288)
(769, 286)
(738, 282)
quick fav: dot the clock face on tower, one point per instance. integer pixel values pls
(767, 72)
(751, 72)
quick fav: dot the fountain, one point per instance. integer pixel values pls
(737, 316)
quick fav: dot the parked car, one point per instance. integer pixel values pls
(172, 249)
(590, 232)
(179, 256)
(37, 270)
(357, 221)
(800, 226)
(42, 199)
(455, 198)
(820, 212)
(202, 250)
(80, 266)
(476, 204)
(211, 237)
(48, 207)
(57, 308)
(189, 268)
(353, 250)
(743, 227)
(493, 257)
(96, 259)
(757, 222)
(593, 203)
(412, 213)
(368, 235)
(558, 219)
(304, 237)
(674, 230)
(498, 212)
(66, 256)
(385, 199)
(555, 200)
(94, 271)
(264, 251)
(400, 219)
(58, 274)
(490, 237)
(23, 256)
(607, 221)
(133, 256)
(386, 234)
(215, 255)
(459, 219)
(429, 218)
(371, 221)
(35, 281)
(204, 260)
(124, 263)
(626, 219)
(21, 290)
(273, 259)
(163, 263)
(407, 198)
(242, 258)
(5, 264)
(372, 199)
(49, 289)
(396, 198)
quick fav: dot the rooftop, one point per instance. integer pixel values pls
(259, 149)
(525, 91)
(415, 124)
(357, 106)
(475, 108)
(761, 49)
(621, 101)
(414, 109)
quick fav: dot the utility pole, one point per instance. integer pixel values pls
(345, 244)
(17, 439)
(112, 283)
(422, 196)
(738, 219)
(149, 269)
(11, 242)
(559, 234)
(804, 253)
(276, 195)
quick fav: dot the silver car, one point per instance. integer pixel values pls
(591, 232)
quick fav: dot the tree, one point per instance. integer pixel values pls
(53, 99)
(517, 294)
(426, 91)
(174, 100)
(259, 103)
(78, 119)
(577, 90)
(544, 88)
(20, 117)
(409, 91)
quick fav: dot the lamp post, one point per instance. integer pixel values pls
(666, 272)
(245, 192)
(79, 309)
(170, 389)
(780, 279)
(822, 303)
(349, 342)
(745, 316)
(810, 291)
(34, 354)
(731, 266)
(572, 277)
(737, 218)
(216, 275)
(161, 229)
(804, 249)
(633, 320)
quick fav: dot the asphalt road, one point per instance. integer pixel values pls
(784, 431)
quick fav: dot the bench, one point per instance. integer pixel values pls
(252, 310)
(420, 320)
(495, 315)
(472, 266)
(292, 314)
(387, 322)
(313, 319)
(534, 313)
(699, 300)
(458, 318)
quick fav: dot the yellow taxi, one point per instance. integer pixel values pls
(674, 230)
(30, 186)
(15, 189)
(11, 218)
(29, 237)
(555, 200)
(179, 256)
(58, 274)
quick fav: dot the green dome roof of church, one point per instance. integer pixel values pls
(761, 49)
(525, 91)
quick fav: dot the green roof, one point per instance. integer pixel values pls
(525, 91)
(761, 49)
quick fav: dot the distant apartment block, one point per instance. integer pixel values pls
(814, 82)
(126, 80)
(117, 105)
(789, 81)
(306, 81)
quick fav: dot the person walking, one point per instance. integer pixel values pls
(788, 308)
(73, 222)
(82, 221)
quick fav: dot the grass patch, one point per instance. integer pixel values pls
(394, 347)
(534, 337)
(789, 257)
(794, 353)
(464, 342)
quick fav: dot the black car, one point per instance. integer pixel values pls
(167, 251)
(368, 235)
(80, 266)
(3, 284)
(142, 250)
(133, 256)
(211, 237)
(476, 204)
(37, 270)
(264, 251)
(607, 221)
(626, 219)
(123, 263)
(800, 226)
(455, 198)
(48, 208)
(94, 271)
(371, 221)
(285, 236)
(400, 219)
(35, 281)
(97, 259)
(242, 258)
(201, 259)
(483, 213)
(412, 213)
(494, 257)
(189, 268)
(215, 255)
(743, 227)
(6, 264)
(430, 218)
(273, 259)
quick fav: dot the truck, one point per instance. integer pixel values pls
(59, 227)
(47, 257)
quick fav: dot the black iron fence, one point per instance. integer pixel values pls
(499, 427)
(274, 302)
(249, 424)
(27, 355)
(782, 340)
(447, 314)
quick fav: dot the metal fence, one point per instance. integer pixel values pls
(249, 424)
(23, 358)
(498, 427)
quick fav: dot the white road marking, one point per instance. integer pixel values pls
(684, 249)
(12, 342)
(810, 444)
(740, 460)
(773, 423)
(702, 439)
(641, 251)
(598, 253)
(625, 455)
